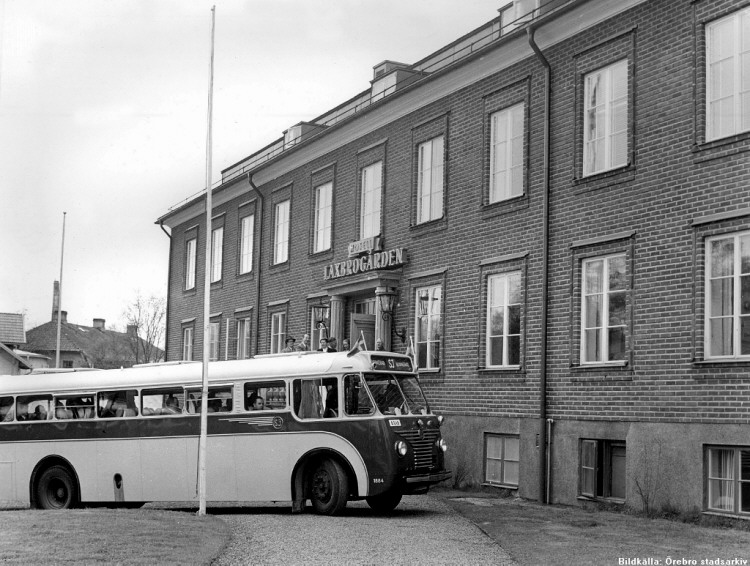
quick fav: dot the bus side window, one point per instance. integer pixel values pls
(316, 398)
(264, 396)
(219, 400)
(6, 409)
(115, 404)
(356, 399)
(74, 407)
(34, 408)
(166, 401)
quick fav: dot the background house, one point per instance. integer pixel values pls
(86, 346)
(12, 336)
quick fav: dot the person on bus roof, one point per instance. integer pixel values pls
(289, 345)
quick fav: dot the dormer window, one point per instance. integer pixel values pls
(390, 76)
(292, 136)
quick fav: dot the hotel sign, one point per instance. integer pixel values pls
(365, 255)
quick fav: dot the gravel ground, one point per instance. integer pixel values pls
(423, 530)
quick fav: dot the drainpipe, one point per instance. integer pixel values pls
(260, 262)
(543, 467)
(169, 281)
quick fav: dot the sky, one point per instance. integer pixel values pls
(103, 120)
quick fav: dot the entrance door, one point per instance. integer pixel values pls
(364, 323)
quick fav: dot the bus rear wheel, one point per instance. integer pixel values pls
(56, 489)
(385, 502)
(329, 488)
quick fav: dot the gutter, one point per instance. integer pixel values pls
(260, 262)
(169, 279)
(544, 471)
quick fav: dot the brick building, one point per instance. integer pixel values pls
(556, 209)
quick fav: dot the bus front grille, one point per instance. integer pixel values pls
(423, 446)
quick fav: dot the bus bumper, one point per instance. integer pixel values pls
(420, 483)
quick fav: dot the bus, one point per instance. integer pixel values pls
(308, 426)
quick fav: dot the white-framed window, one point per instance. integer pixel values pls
(278, 332)
(728, 75)
(605, 118)
(430, 167)
(504, 320)
(243, 338)
(190, 249)
(187, 343)
(729, 479)
(372, 186)
(506, 153)
(602, 469)
(502, 455)
(323, 217)
(604, 314)
(247, 238)
(217, 253)
(281, 233)
(428, 325)
(213, 341)
(727, 327)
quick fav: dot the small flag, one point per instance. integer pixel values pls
(410, 350)
(359, 346)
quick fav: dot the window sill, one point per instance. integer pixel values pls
(491, 210)
(604, 179)
(507, 374)
(619, 371)
(612, 500)
(726, 515)
(320, 257)
(508, 486)
(721, 362)
(724, 147)
(249, 276)
(429, 227)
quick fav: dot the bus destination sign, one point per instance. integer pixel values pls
(392, 363)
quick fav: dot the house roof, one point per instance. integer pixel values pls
(21, 363)
(98, 346)
(11, 328)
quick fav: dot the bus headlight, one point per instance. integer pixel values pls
(440, 418)
(440, 442)
(401, 448)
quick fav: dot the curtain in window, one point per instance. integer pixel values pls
(721, 480)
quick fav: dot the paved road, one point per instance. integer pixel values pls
(422, 531)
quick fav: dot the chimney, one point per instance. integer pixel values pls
(99, 323)
(55, 299)
(132, 330)
(63, 316)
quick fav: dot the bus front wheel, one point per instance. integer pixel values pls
(329, 488)
(385, 502)
(56, 489)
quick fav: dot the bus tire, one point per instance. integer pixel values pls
(385, 502)
(56, 489)
(329, 488)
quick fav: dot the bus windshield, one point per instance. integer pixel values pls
(397, 394)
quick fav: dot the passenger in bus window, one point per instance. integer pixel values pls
(61, 413)
(256, 402)
(172, 405)
(40, 414)
(6, 409)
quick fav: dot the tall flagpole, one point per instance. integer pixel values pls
(59, 296)
(206, 289)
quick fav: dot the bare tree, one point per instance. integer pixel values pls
(146, 320)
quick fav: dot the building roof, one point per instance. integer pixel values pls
(21, 363)
(11, 328)
(100, 347)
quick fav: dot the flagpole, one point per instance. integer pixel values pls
(59, 296)
(206, 288)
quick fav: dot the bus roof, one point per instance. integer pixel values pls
(273, 366)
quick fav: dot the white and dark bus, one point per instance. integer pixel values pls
(327, 428)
